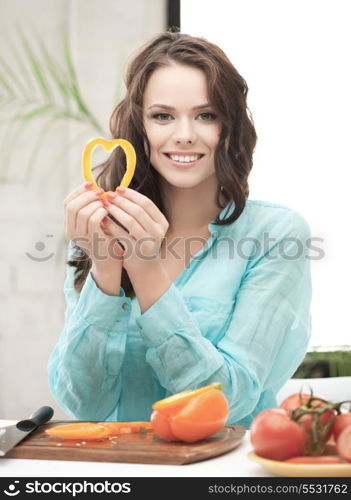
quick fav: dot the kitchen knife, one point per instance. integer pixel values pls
(13, 434)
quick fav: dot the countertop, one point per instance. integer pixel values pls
(232, 464)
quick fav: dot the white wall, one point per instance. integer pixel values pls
(102, 34)
(295, 58)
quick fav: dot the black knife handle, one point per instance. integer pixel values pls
(37, 418)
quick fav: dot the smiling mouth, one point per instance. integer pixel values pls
(184, 159)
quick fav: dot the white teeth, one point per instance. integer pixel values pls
(184, 159)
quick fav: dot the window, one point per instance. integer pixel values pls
(294, 56)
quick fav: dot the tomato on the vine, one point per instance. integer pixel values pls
(276, 436)
(341, 421)
(343, 443)
(299, 429)
(308, 401)
(311, 413)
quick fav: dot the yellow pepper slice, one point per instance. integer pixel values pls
(180, 399)
(108, 145)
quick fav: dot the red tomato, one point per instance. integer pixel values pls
(274, 435)
(295, 401)
(321, 460)
(304, 401)
(342, 421)
(343, 444)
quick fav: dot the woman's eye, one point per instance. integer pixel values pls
(165, 117)
(208, 116)
(161, 116)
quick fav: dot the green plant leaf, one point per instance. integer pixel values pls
(36, 148)
(75, 89)
(24, 73)
(37, 87)
(10, 139)
(36, 68)
(5, 69)
(52, 170)
(6, 86)
(37, 112)
(57, 74)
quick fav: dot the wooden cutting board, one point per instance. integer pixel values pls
(140, 448)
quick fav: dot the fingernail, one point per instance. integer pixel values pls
(88, 185)
(111, 196)
(121, 189)
(99, 192)
(105, 219)
(106, 203)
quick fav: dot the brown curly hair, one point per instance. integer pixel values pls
(227, 92)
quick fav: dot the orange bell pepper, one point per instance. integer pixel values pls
(91, 431)
(116, 428)
(190, 415)
(87, 431)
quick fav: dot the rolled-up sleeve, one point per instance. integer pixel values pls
(84, 365)
(176, 349)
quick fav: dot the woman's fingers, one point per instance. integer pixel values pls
(76, 192)
(95, 219)
(116, 234)
(95, 233)
(113, 228)
(73, 207)
(84, 214)
(138, 213)
(143, 201)
(130, 223)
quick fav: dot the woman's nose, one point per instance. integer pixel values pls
(184, 132)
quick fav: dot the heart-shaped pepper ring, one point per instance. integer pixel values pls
(109, 145)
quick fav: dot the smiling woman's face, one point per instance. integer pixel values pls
(180, 122)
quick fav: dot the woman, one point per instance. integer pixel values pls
(180, 280)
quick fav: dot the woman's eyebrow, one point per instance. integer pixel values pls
(164, 106)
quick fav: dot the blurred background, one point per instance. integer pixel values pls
(61, 73)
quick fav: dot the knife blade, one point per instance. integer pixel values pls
(13, 434)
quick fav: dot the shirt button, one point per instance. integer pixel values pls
(124, 306)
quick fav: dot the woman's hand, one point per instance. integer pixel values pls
(83, 215)
(145, 227)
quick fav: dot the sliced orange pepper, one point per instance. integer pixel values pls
(116, 428)
(174, 403)
(162, 426)
(203, 416)
(87, 431)
(91, 431)
(190, 415)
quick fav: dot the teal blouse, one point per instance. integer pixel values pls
(238, 314)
